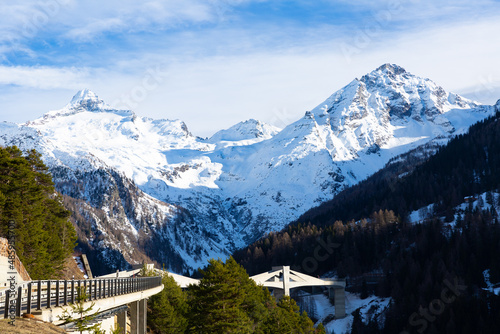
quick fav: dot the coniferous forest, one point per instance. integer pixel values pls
(364, 235)
(44, 237)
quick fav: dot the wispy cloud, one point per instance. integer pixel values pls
(73, 18)
(94, 28)
(44, 77)
(118, 17)
(236, 59)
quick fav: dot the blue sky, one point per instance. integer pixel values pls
(214, 63)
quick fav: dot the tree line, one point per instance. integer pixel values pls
(466, 166)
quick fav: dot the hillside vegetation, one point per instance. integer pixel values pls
(44, 237)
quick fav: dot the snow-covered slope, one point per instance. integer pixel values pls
(245, 133)
(319, 307)
(194, 199)
(342, 141)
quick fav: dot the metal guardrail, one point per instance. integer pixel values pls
(45, 294)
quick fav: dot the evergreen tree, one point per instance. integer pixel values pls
(216, 303)
(489, 198)
(357, 323)
(82, 315)
(320, 329)
(44, 236)
(168, 309)
(364, 289)
(286, 318)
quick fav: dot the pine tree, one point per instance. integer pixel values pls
(217, 302)
(320, 329)
(489, 198)
(228, 301)
(167, 310)
(80, 315)
(44, 236)
(286, 318)
(357, 323)
(364, 289)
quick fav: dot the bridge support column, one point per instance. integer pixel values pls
(286, 280)
(122, 321)
(278, 294)
(138, 317)
(339, 303)
(134, 317)
(143, 313)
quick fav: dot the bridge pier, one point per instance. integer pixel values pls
(143, 316)
(338, 296)
(138, 316)
(121, 319)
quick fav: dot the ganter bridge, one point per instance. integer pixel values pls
(281, 279)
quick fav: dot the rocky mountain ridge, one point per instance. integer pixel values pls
(149, 188)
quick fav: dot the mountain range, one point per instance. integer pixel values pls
(144, 189)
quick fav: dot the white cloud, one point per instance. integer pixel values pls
(457, 56)
(133, 16)
(222, 75)
(93, 28)
(83, 20)
(211, 93)
(44, 77)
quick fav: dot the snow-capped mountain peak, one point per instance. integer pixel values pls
(87, 100)
(244, 181)
(390, 69)
(368, 111)
(84, 100)
(86, 97)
